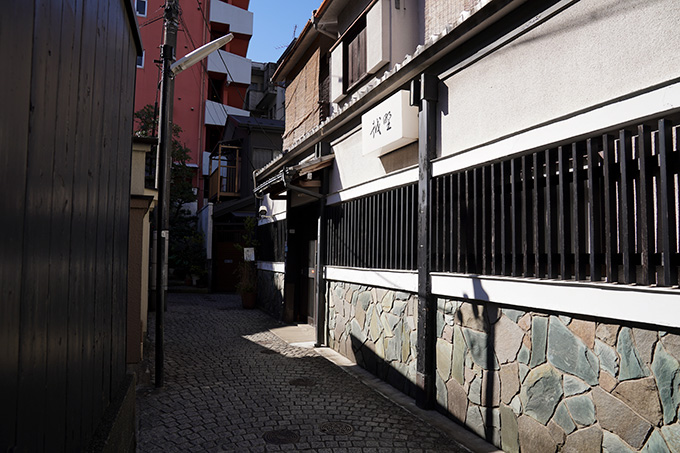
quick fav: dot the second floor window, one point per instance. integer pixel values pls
(355, 55)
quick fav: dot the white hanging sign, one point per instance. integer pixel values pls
(390, 125)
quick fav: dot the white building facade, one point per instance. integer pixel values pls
(487, 216)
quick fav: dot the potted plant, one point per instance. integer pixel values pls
(246, 271)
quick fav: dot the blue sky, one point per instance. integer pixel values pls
(273, 24)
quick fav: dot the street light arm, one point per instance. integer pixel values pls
(197, 55)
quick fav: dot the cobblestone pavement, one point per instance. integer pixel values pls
(232, 385)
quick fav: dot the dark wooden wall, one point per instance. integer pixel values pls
(65, 147)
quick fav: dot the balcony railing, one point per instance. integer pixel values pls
(225, 164)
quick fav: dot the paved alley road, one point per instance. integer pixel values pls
(232, 385)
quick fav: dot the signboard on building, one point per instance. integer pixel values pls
(390, 125)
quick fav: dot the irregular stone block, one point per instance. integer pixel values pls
(357, 332)
(539, 335)
(509, 377)
(471, 315)
(405, 342)
(568, 353)
(607, 381)
(534, 437)
(523, 371)
(447, 334)
(375, 326)
(642, 396)
(585, 330)
(557, 433)
(573, 385)
(607, 333)
(441, 392)
(399, 307)
(391, 321)
(563, 418)
(645, 340)
(513, 314)
(475, 390)
(474, 420)
(609, 359)
(667, 373)
(509, 430)
(611, 443)
(383, 297)
(457, 400)
(671, 435)
(491, 388)
(524, 355)
(360, 316)
(582, 409)
(541, 392)
(516, 405)
(525, 322)
(588, 440)
(655, 444)
(444, 351)
(671, 343)
(509, 339)
(439, 317)
(392, 349)
(565, 319)
(631, 365)
(459, 349)
(478, 344)
(615, 416)
(400, 295)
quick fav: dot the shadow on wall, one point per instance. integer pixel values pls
(366, 357)
(492, 313)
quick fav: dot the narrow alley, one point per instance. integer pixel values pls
(232, 385)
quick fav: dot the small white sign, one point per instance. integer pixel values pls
(249, 254)
(390, 125)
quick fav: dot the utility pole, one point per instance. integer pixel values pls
(165, 162)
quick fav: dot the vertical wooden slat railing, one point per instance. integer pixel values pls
(668, 167)
(603, 208)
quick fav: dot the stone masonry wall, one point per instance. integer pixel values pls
(376, 328)
(528, 382)
(557, 383)
(270, 292)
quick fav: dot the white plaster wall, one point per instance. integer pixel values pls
(590, 54)
(351, 166)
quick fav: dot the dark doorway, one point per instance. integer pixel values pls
(301, 264)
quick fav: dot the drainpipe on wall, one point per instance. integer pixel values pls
(424, 94)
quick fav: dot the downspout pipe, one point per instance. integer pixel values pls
(424, 93)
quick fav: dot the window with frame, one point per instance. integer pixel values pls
(140, 59)
(355, 54)
(140, 7)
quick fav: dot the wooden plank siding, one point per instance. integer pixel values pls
(67, 118)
